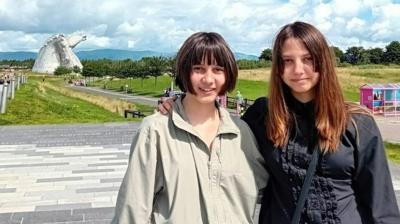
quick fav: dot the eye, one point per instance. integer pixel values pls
(308, 60)
(287, 61)
(219, 69)
(197, 69)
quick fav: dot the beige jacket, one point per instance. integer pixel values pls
(173, 177)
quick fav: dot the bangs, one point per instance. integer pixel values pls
(208, 53)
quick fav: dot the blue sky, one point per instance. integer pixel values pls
(249, 26)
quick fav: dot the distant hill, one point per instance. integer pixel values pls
(114, 54)
(240, 56)
(18, 55)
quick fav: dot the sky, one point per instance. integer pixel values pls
(249, 26)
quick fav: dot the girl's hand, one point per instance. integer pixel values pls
(165, 105)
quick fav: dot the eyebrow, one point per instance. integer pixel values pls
(290, 56)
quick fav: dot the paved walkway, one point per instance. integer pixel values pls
(62, 173)
(68, 173)
(152, 101)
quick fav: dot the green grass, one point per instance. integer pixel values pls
(37, 105)
(393, 152)
(248, 88)
(251, 89)
(149, 86)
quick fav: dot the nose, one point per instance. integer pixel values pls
(298, 67)
(208, 75)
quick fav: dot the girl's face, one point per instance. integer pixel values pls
(207, 81)
(299, 73)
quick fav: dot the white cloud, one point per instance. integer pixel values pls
(249, 26)
(356, 24)
(347, 8)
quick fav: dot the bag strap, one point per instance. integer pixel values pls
(306, 185)
(356, 132)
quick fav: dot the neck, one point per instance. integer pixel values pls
(199, 113)
(304, 98)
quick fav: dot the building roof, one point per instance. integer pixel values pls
(381, 86)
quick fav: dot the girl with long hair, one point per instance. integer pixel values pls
(306, 111)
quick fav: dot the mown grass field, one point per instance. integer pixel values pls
(254, 83)
(393, 152)
(38, 103)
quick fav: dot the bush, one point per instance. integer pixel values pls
(62, 70)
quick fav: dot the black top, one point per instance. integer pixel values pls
(351, 186)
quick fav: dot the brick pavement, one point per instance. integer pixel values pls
(62, 173)
(68, 173)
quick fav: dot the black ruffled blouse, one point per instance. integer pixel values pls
(351, 186)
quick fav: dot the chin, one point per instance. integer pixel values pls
(207, 99)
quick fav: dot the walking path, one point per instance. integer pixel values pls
(72, 173)
(151, 101)
(62, 173)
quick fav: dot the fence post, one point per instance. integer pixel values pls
(12, 88)
(1, 94)
(3, 104)
(18, 82)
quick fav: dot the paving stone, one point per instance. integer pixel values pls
(98, 189)
(5, 217)
(59, 179)
(62, 207)
(95, 213)
(33, 165)
(125, 158)
(93, 171)
(47, 216)
(107, 164)
(111, 180)
(7, 190)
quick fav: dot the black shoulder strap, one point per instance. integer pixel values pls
(306, 185)
(356, 146)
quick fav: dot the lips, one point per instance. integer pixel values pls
(207, 90)
(299, 80)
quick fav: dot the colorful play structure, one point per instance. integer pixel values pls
(383, 99)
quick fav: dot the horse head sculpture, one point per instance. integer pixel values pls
(57, 51)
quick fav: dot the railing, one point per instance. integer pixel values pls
(8, 88)
(231, 102)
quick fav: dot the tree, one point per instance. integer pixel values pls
(156, 66)
(62, 70)
(392, 53)
(171, 70)
(266, 54)
(142, 70)
(338, 54)
(356, 55)
(76, 69)
(375, 55)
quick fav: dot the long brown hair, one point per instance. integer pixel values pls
(330, 109)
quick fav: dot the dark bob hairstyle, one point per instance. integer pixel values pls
(209, 48)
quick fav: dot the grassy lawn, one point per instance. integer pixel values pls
(254, 83)
(393, 152)
(147, 86)
(34, 103)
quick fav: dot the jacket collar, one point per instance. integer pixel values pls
(180, 120)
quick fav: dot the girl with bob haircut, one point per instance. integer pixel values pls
(198, 164)
(306, 110)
